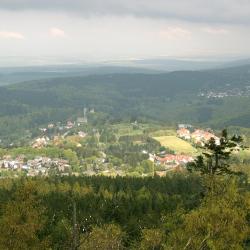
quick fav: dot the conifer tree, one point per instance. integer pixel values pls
(215, 157)
(22, 222)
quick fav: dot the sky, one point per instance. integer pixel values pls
(49, 31)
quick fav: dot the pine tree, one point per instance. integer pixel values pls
(221, 222)
(22, 222)
(215, 157)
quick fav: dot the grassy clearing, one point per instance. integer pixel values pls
(153, 130)
(163, 132)
(176, 144)
(128, 129)
(244, 155)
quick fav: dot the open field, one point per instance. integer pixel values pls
(130, 129)
(176, 144)
(244, 155)
(126, 129)
(163, 132)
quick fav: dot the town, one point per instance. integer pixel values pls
(234, 92)
(82, 149)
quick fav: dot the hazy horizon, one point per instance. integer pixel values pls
(45, 32)
(22, 61)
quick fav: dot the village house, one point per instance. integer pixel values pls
(201, 137)
(69, 125)
(40, 142)
(61, 164)
(180, 126)
(81, 120)
(46, 162)
(173, 160)
(51, 125)
(10, 164)
(43, 129)
(37, 166)
(82, 134)
(184, 133)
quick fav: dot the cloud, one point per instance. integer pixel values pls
(215, 31)
(175, 32)
(11, 35)
(56, 32)
(213, 11)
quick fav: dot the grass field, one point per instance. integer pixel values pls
(244, 154)
(163, 132)
(153, 130)
(176, 144)
(128, 129)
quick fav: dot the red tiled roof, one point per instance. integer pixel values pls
(204, 134)
(183, 131)
(171, 158)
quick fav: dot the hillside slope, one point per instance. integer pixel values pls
(214, 98)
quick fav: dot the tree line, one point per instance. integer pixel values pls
(208, 208)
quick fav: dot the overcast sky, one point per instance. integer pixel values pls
(123, 29)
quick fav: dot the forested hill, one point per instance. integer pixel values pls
(215, 97)
(178, 81)
(23, 74)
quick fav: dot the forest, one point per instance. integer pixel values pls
(214, 98)
(124, 125)
(123, 213)
(206, 207)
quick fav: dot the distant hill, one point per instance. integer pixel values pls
(10, 75)
(168, 64)
(13, 75)
(215, 98)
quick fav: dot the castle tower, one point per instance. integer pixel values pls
(85, 118)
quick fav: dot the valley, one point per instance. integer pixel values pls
(89, 146)
(129, 120)
(124, 125)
